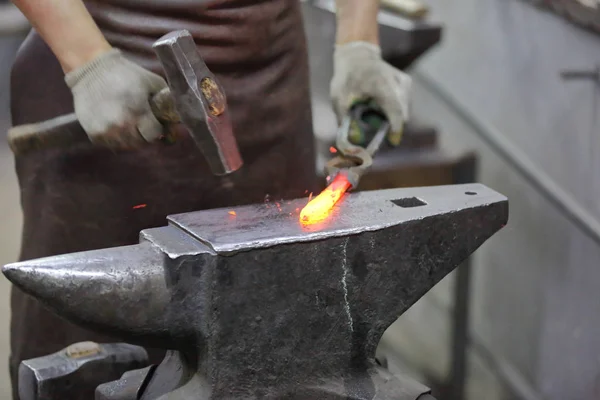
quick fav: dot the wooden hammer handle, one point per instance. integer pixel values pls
(65, 130)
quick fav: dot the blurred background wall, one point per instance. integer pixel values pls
(535, 308)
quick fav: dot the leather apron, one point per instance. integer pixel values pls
(85, 198)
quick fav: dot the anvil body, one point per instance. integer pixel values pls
(256, 306)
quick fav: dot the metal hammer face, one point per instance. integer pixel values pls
(260, 306)
(199, 100)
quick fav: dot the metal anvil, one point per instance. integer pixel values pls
(256, 305)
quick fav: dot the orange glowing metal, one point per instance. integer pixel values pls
(320, 207)
(139, 206)
(332, 150)
(232, 213)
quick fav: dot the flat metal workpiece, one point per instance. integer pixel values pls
(257, 305)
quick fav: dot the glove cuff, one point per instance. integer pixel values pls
(357, 49)
(95, 68)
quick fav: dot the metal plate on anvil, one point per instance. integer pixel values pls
(230, 230)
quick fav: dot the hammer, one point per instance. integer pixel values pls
(194, 97)
(74, 372)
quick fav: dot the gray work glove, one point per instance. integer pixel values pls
(360, 74)
(111, 96)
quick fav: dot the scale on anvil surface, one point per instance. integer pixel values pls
(255, 305)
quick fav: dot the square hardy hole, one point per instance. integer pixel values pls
(409, 202)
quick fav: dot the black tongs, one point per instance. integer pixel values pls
(365, 123)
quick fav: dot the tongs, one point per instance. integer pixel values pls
(364, 123)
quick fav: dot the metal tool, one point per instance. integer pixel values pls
(367, 125)
(255, 305)
(194, 97)
(73, 373)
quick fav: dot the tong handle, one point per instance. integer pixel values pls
(367, 120)
(364, 123)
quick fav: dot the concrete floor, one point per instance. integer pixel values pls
(10, 211)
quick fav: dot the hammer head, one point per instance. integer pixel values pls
(199, 100)
(74, 373)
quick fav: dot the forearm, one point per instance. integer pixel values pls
(67, 27)
(357, 21)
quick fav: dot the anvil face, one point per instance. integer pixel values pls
(265, 305)
(268, 225)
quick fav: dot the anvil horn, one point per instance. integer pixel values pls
(85, 287)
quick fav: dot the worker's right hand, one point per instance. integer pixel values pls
(112, 101)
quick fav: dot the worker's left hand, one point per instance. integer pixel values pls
(359, 73)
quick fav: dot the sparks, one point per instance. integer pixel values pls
(139, 206)
(233, 213)
(332, 150)
(320, 207)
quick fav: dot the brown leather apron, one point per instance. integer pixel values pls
(84, 198)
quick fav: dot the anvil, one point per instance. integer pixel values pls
(255, 305)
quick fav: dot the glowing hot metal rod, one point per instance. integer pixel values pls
(345, 170)
(319, 208)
